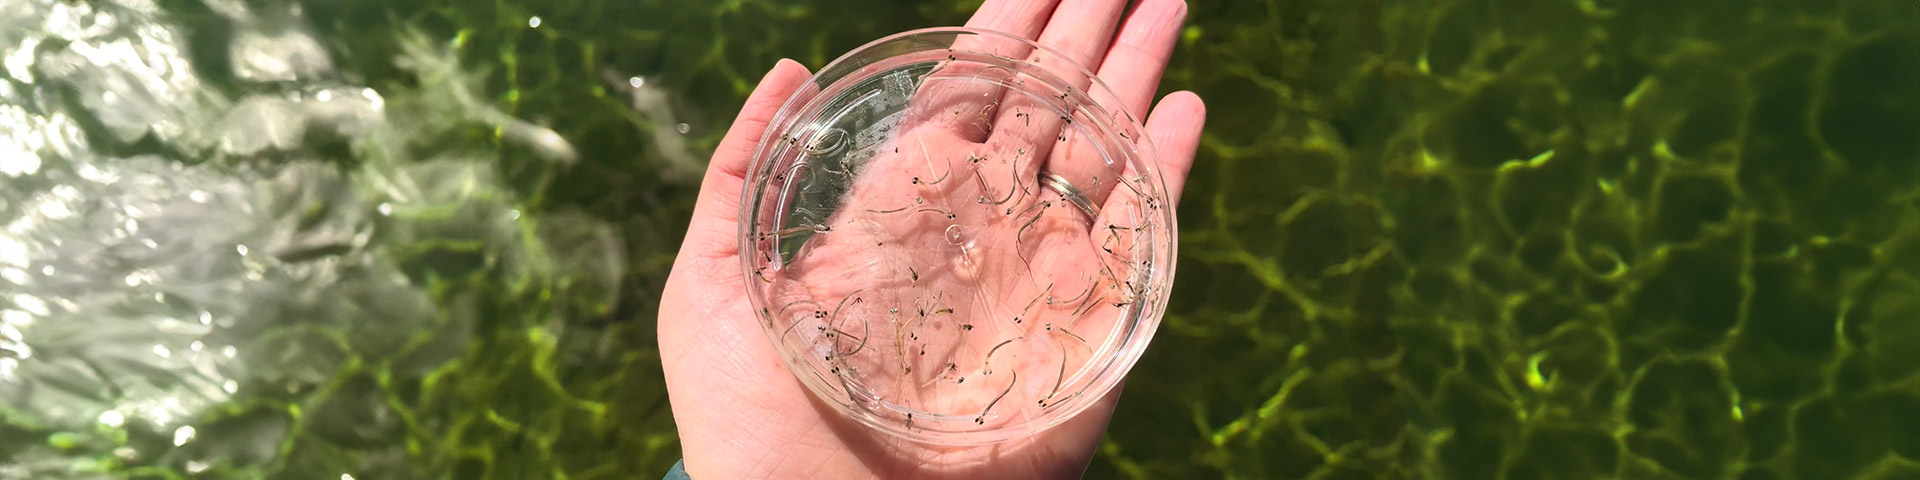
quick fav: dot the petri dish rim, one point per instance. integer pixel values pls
(1115, 358)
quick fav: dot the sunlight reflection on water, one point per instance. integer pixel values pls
(167, 248)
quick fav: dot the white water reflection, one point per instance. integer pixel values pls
(141, 292)
(277, 56)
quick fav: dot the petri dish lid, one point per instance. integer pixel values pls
(957, 236)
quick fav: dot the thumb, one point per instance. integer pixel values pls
(714, 230)
(707, 263)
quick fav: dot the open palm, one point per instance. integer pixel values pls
(741, 414)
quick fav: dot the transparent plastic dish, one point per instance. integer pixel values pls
(956, 236)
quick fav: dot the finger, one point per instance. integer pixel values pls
(1139, 54)
(1120, 228)
(717, 211)
(1081, 30)
(1131, 72)
(961, 96)
(1078, 34)
(1175, 131)
(1019, 17)
(706, 275)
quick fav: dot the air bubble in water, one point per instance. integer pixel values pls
(953, 235)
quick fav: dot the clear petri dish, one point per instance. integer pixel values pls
(957, 236)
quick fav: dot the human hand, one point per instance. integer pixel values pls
(741, 413)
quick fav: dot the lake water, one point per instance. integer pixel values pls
(1466, 239)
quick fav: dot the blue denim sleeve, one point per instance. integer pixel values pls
(678, 472)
